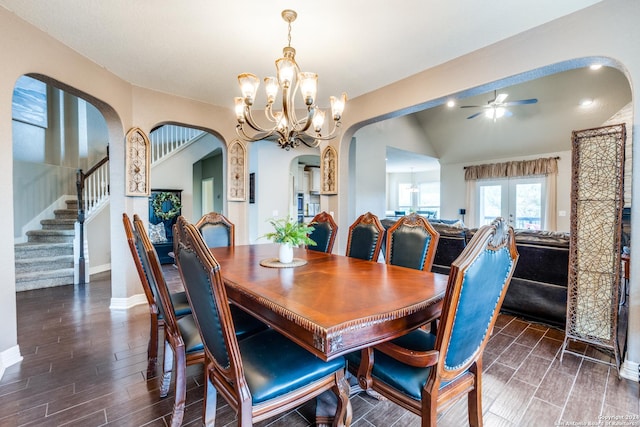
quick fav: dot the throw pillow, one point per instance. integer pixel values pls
(157, 233)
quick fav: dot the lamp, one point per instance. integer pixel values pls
(284, 124)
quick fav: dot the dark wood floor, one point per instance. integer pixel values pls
(84, 365)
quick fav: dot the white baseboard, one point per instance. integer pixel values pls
(99, 268)
(127, 303)
(629, 370)
(9, 357)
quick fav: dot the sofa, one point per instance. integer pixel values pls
(538, 289)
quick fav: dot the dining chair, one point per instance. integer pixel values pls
(324, 232)
(365, 237)
(216, 230)
(181, 337)
(263, 375)
(427, 373)
(156, 311)
(411, 242)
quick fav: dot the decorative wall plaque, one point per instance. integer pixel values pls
(237, 172)
(594, 255)
(329, 171)
(137, 163)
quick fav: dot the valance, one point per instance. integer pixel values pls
(541, 166)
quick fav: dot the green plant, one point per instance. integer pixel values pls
(288, 230)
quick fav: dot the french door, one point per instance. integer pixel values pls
(519, 200)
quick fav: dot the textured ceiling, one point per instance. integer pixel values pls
(196, 48)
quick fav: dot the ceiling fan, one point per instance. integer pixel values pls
(496, 108)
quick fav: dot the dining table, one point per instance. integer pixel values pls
(329, 304)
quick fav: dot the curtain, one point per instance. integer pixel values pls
(521, 168)
(542, 166)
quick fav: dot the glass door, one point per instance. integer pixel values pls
(520, 200)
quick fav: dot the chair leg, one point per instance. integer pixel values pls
(152, 350)
(210, 402)
(475, 396)
(167, 369)
(181, 387)
(344, 411)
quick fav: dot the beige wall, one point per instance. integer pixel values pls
(607, 29)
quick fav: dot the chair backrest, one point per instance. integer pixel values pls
(324, 232)
(477, 285)
(216, 230)
(153, 272)
(365, 237)
(205, 289)
(412, 243)
(140, 260)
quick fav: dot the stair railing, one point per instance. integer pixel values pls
(93, 190)
(168, 138)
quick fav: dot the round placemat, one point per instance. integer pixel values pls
(274, 263)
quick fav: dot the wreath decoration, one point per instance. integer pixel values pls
(158, 203)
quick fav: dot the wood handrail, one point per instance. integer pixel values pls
(81, 177)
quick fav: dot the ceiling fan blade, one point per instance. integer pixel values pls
(471, 106)
(475, 115)
(500, 98)
(521, 102)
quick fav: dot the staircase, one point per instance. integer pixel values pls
(46, 259)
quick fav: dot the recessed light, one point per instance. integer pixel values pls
(586, 102)
(595, 66)
(451, 103)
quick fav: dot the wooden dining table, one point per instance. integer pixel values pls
(332, 304)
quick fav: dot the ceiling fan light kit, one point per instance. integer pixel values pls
(496, 108)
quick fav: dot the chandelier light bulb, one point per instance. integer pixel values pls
(318, 120)
(271, 89)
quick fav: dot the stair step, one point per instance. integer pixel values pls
(40, 264)
(58, 224)
(41, 279)
(72, 204)
(36, 250)
(66, 213)
(51, 236)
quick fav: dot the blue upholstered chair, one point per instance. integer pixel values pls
(324, 232)
(216, 230)
(365, 237)
(181, 336)
(262, 375)
(182, 341)
(156, 309)
(412, 242)
(426, 373)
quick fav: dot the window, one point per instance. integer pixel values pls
(405, 195)
(429, 199)
(423, 198)
(520, 200)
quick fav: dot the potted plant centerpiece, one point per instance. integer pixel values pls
(289, 233)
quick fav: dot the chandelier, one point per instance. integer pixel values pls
(289, 129)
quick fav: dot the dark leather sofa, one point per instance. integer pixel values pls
(538, 289)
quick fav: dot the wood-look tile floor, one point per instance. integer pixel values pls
(84, 365)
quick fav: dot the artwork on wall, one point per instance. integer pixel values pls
(29, 104)
(594, 256)
(329, 171)
(237, 164)
(137, 163)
